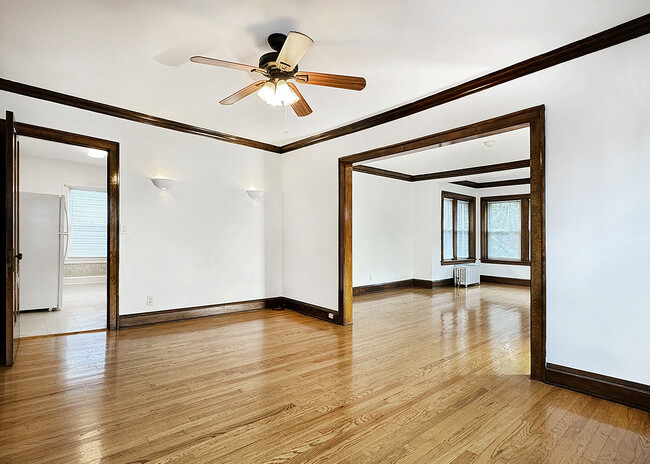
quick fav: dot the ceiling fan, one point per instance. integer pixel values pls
(280, 69)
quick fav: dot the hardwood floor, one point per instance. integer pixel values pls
(423, 376)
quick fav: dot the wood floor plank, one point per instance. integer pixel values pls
(423, 375)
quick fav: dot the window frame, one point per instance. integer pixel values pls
(525, 229)
(455, 197)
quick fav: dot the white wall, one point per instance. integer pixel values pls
(597, 147)
(203, 242)
(38, 175)
(396, 230)
(424, 225)
(382, 230)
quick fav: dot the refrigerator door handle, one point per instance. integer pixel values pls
(63, 245)
(65, 215)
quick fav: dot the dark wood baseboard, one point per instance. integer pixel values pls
(408, 283)
(365, 289)
(421, 283)
(632, 394)
(310, 310)
(169, 315)
(180, 314)
(505, 281)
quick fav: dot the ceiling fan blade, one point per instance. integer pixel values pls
(245, 92)
(293, 50)
(226, 64)
(301, 108)
(331, 80)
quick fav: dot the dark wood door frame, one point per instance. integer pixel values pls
(534, 119)
(10, 327)
(113, 190)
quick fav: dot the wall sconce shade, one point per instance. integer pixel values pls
(255, 194)
(163, 183)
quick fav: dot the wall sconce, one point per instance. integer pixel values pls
(254, 193)
(163, 183)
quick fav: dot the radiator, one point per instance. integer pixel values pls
(467, 274)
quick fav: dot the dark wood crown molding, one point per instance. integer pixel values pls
(510, 165)
(610, 37)
(122, 113)
(507, 166)
(382, 172)
(622, 33)
(497, 183)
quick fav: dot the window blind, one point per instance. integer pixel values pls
(88, 218)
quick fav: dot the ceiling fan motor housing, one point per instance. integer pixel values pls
(276, 41)
(268, 59)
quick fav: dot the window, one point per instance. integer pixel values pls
(458, 231)
(505, 234)
(88, 219)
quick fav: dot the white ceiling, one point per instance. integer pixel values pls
(133, 54)
(36, 148)
(509, 146)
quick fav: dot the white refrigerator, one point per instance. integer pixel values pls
(43, 238)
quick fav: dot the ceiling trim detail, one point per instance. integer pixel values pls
(622, 33)
(115, 111)
(605, 39)
(507, 166)
(496, 183)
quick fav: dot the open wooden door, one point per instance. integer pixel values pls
(11, 314)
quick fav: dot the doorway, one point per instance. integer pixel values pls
(73, 192)
(533, 119)
(63, 225)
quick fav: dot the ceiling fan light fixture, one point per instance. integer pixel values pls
(285, 93)
(278, 93)
(267, 92)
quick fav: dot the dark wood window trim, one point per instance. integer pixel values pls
(525, 230)
(472, 228)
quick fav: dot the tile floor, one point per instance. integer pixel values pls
(84, 308)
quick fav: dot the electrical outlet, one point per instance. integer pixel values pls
(370, 277)
(149, 300)
(330, 315)
(125, 228)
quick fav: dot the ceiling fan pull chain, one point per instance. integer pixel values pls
(286, 118)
